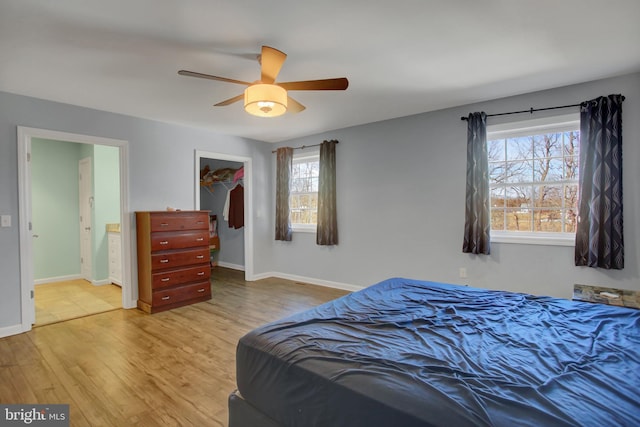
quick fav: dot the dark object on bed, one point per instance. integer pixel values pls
(610, 296)
(406, 353)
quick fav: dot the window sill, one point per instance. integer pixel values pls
(564, 239)
(304, 228)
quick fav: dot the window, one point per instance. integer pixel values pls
(303, 199)
(533, 180)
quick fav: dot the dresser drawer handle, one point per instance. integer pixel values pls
(200, 239)
(200, 222)
(200, 256)
(201, 290)
(164, 261)
(164, 242)
(166, 298)
(164, 224)
(201, 273)
(165, 279)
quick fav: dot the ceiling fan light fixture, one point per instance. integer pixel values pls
(265, 100)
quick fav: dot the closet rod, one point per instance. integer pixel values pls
(531, 110)
(304, 146)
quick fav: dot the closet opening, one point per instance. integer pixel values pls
(223, 187)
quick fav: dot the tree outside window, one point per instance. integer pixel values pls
(303, 199)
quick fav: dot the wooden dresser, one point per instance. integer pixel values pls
(173, 259)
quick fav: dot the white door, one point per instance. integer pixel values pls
(86, 204)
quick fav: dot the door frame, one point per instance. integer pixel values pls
(86, 262)
(248, 201)
(25, 134)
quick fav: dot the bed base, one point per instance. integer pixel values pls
(242, 414)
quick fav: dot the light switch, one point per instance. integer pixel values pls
(5, 220)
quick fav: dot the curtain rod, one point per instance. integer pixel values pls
(531, 110)
(302, 147)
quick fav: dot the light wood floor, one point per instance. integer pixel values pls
(127, 368)
(70, 299)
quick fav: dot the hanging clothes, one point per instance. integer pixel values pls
(238, 175)
(225, 210)
(236, 207)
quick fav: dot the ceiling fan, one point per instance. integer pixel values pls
(265, 97)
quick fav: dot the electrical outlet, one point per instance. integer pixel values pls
(463, 273)
(5, 220)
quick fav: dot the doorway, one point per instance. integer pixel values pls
(74, 195)
(211, 158)
(27, 210)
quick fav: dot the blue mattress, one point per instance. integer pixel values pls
(413, 353)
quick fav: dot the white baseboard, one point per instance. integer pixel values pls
(231, 266)
(57, 279)
(11, 330)
(310, 280)
(261, 276)
(70, 277)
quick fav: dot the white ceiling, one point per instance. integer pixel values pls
(401, 57)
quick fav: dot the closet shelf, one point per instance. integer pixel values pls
(220, 176)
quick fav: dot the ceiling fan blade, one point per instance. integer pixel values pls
(210, 77)
(327, 84)
(294, 106)
(271, 61)
(229, 101)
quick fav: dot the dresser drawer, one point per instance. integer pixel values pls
(182, 293)
(114, 269)
(179, 258)
(176, 221)
(179, 240)
(113, 243)
(183, 275)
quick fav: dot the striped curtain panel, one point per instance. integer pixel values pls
(284, 162)
(327, 229)
(477, 202)
(599, 236)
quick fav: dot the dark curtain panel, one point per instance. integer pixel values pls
(327, 231)
(477, 202)
(599, 239)
(284, 163)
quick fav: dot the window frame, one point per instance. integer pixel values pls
(304, 157)
(551, 124)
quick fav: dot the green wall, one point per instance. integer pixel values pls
(54, 185)
(106, 191)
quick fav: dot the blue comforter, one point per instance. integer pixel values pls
(411, 353)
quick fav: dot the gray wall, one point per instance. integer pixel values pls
(162, 173)
(401, 190)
